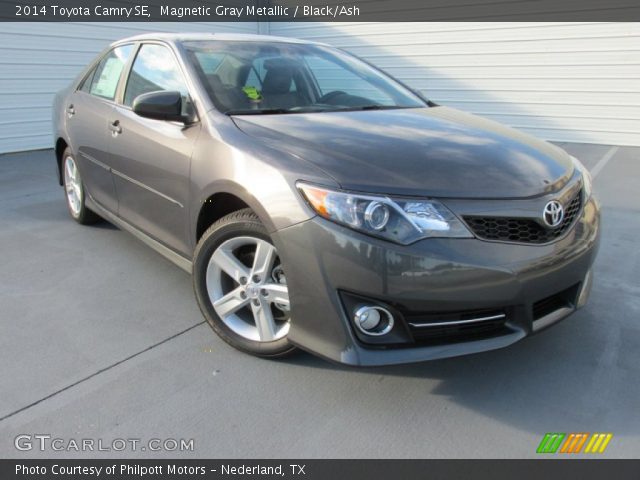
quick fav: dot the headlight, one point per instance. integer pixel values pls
(399, 220)
(586, 178)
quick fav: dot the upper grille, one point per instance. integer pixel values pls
(523, 230)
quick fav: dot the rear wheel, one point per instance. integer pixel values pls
(241, 286)
(74, 191)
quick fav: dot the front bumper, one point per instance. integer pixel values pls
(327, 265)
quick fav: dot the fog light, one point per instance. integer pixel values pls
(373, 320)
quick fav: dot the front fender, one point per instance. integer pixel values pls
(262, 177)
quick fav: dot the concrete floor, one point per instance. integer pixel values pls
(101, 338)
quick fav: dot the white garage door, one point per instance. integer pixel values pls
(561, 81)
(38, 59)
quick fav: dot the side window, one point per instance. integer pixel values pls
(155, 69)
(331, 77)
(107, 74)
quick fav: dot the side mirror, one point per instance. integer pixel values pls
(162, 105)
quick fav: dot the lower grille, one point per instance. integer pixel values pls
(563, 299)
(456, 326)
(523, 230)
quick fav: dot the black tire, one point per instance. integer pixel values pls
(82, 215)
(241, 223)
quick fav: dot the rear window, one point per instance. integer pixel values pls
(106, 75)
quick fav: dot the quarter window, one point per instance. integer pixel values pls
(154, 69)
(85, 86)
(105, 77)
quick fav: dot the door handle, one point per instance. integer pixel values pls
(115, 128)
(71, 111)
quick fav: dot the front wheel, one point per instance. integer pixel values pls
(241, 286)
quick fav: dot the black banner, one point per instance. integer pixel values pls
(320, 469)
(318, 10)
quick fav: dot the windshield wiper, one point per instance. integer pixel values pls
(264, 111)
(372, 107)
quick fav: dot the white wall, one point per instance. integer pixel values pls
(38, 59)
(561, 81)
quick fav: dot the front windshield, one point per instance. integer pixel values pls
(272, 77)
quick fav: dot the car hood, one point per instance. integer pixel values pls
(437, 151)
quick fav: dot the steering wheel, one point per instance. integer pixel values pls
(330, 96)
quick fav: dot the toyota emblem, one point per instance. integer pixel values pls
(553, 213)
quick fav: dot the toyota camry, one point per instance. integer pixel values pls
(320, 203)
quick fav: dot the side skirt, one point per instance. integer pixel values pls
(182, 262)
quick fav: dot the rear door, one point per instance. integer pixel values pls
(88, 112)
(151, 158)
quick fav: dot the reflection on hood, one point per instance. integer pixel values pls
(419, 151)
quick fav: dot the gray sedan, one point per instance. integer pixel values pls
(321, 204)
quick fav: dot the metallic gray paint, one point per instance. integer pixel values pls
(152, 183)
(418, 151)
(159, 175)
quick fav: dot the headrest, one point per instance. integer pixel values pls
(277, 81)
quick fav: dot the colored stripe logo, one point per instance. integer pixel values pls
(598, 443)
(574, 442)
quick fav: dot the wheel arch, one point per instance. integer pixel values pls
(221, 200)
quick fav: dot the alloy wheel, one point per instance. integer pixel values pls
(248, 290)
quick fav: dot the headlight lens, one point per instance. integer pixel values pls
(399, 220)
(587, 181)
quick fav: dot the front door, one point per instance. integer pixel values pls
(151, 158)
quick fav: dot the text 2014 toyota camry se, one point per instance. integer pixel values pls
(321, 204)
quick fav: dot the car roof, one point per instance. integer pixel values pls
(183, 37)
